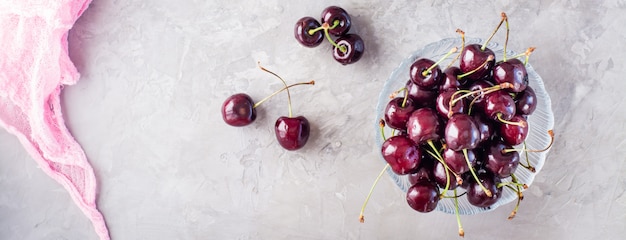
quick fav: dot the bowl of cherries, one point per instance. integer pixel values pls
(464, 125)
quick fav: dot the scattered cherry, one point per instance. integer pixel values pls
(302, 34)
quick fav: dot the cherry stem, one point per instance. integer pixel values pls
(381, 123)
(321, 28)
(527, 54)
(550, 132)
(521, 123)
(489, 59)
(493, 33)
(459, 31)
(527, 165)
(282, 89)
(284, 83)
(325, 26)
(446, 168)
(482, 92)
(458, 215)
(430, 69)
(459, 180)
(406, 95)
(512, 183)
(361, 217)
(506, 40)
(487, 192)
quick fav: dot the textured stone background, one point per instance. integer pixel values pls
(155, 73)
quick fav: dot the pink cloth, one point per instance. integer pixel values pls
(34, 66)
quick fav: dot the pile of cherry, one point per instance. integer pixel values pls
(347, 47)
(461, 127)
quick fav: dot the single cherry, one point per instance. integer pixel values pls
(485, 127)
(499, 106)
(526, 101)
(348, 49)
(398, 111)
(461, 132)
(424, 170)
(500, 162)
(443, 104)
(292, 132)
(422, 76)
(421, 97)
(424, 125)
(456, 160)
(512, 71)
(472, 57)
(423, 196)
(334, 14)
(302, 32)
(401, 154)
(451, 79)
(444, 176)
(514, 134)
(238, 110)
(476, 194)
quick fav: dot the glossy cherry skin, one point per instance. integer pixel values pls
(450, 79)
(401, 154)
(500, 163)
(423, 78)
(511, 71)
(424, 170)
(424, 125)
(443, 104)
(238, 110)
(526, 101)
(421, 97)
(354, 47)
(423, 196)
(514, 134)
(499, 103)
(461, 132)
(439, 173)
(473, 57)
(477, 196)
(456, 160)
(301, 32)
(332, 13)
(485, 127)
(396, 115)
(292, 133)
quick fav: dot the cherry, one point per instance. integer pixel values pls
(424, 125)
(461, 132)
(423, 196)
(526, 101)
(348, 49)
(421, 76)
(334, 14)
(303, 34)
(398, 111)
(421, 97)
(512, 71)
(401, 154)
(485, 127)
(456, 161)
(499, 106)
(514, 134)
(500, 162)
(424, 170)
(292, 132)
(450, 79)
(472, 57)
(476, 194)
(238, 110)
(444, 176)
(443, 104)
(478, 98)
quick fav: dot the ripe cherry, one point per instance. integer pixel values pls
(450, 79)
(292, 132)
(514, 134)
(443, 104)
(456, 160)
(303, 32)
(401, 154)
(512, 71)
(422, 76)
(499, 106)
(526, 101)
(424, 125)
(500, 162)
(348, 49)
(334, 14)
(423, 196)
(238, 110)
(421, 97)
(476, 194)
(472, 57)
(461, 132)
(397, 112)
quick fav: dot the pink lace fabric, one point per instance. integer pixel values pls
(34, 66)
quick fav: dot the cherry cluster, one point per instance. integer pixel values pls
(347, 47)
(458, 127)
(292, 133)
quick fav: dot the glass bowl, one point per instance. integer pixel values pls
(539, 122)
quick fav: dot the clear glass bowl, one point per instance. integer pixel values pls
(539, 122)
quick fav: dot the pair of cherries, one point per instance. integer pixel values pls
(347, 47)
(291, 132)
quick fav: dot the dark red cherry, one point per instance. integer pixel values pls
(461, 132)
(513, 134)
(499, 103)
(477, 196)
(479, 97)
(439, 173)
(485, 127)
(456, 160)
(426, 79)
(238, 110)
(501, 163)
(351, 49)
(292, 132)
(301, 32)
(526, 101)
(421, 97)
(397, 112)
(423, 196)
(472, 58)
(401, 154)
(443, 104)
(335, 13)
(511, 71)
(424, 125)
(450, 79)
(424, 170)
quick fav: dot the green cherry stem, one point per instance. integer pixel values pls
(280, 90)
(521, 123)
(458, 215)
(527, 165)
(484, 46)
(550, 132)
(459, 31)
(284, 83)
(490, 58)
(506, 40)
(381, 124)
(430, 69)
(361, 216)
(446, 168)
(325, 27)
